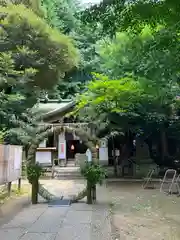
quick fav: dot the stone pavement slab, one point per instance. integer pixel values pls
(38, 236)
(74, 232)
(11, 234)
(25, 218)
(50, 221)
(76, 222)
(13, 206)
(78, 217)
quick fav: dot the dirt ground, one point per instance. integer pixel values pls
(143, 214)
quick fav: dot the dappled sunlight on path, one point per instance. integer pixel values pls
(65, 188)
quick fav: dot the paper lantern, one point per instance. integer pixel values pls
(97, 146)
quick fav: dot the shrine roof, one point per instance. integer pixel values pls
(51, 107)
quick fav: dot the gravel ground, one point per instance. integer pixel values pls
(143, 214)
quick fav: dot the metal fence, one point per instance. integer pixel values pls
(10, 163)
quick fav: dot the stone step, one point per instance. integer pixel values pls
(70, 164)
(68, 176)
(67, 173)
(67, 169)
(64, 176)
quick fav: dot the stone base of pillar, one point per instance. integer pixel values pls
(103, 162)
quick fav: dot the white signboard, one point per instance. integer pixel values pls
(117, 152)
(103, 154)
(43, 157)
(10, 163)
(6, 152)
(18, 158)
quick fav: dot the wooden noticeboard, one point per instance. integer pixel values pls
(10, 163)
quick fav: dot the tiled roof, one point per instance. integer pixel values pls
(51, 107)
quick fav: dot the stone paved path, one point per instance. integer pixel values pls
(76, 222)
(64, 188)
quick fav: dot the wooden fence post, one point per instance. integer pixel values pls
(19, 184)
(9, 188)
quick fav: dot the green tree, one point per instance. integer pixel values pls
(33, 57)
(61, 14)
(108, 13)
(85, 38)
(147, 51)
(13, 103)
(153, 53)
(35, 5)
(130, 104)
(23, 32)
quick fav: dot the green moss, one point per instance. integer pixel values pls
(25, 189)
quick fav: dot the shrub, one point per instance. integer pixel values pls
(93, 173)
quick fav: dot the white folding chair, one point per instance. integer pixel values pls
(148, 178)
(171, 181)
(177, 182)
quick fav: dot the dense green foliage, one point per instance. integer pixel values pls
(85, 37)
(33, 57)
(141, 62)
(133, 45)
(93, 173)
(56, 54)
(107, 13)
(34, 5)
(34, 172)
(60, 14)
(15, 97)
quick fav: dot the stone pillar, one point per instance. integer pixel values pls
(103, 152)
(62, 147)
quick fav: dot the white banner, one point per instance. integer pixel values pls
(62, 147)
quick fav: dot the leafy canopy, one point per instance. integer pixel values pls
(111, 95)
(22, 31)
(33, 57)
(85, 37)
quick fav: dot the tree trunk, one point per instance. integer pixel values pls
(115, 167)
(114, 158)
(164, 147)
(126, 149)
(89, 193)
(34, 194)
(94, 193)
